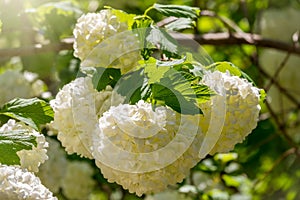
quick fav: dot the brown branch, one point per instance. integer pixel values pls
(238, 39)
(66, 44)
(209, 38)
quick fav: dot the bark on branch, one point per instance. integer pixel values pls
(238, 39)
(217, 39)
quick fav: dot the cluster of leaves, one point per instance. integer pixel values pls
(34, 113)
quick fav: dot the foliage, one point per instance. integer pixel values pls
(264, 166)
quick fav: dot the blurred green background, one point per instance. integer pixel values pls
(265, 166)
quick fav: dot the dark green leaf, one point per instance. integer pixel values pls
(141, 28)
(13, 141)
(174, 99)
(176, 90)
(33, 112)
(105, 76)
(133, 86)
(177, 10)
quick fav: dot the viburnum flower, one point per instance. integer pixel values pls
(29, 159)
(78, 182)
(19, 184)
(102, 39)
(14, 84)
(241, 104)
(77, 107)
(53, 170)
(145, 149)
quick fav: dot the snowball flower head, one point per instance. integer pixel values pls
(78, 182)
(19, 184)
(29, 159)
(76, 109)
(242, 108)
(145, 149)
(53, 170)
(102, 39)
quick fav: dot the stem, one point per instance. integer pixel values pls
(148, 9)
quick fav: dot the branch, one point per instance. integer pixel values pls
(66, 44)
(238, 39)
(217, 39)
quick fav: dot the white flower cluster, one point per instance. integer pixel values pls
(14, 84)
(101, 39)
(281, 24)
(141, 147)
(241, 108)
(146, 150)
(29, 159)
(19, 184)
(76, 108)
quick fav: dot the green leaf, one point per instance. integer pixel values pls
(171, 63)
(154, 72)
(263, 95)
(177, 10)
(174, 99)
(33, 112)
(233, 70)
(180, 24)
(13, 141)
(105, 76)
(226, 66)
(123, 16)
(160, 38)
(176, 90)
(133, 86)
(0, 26)
(141, 28)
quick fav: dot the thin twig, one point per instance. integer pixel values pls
(279, 87)
(281, 126)
(277, 72)
(276, 163)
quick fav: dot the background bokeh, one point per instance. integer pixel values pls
(36, 36)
